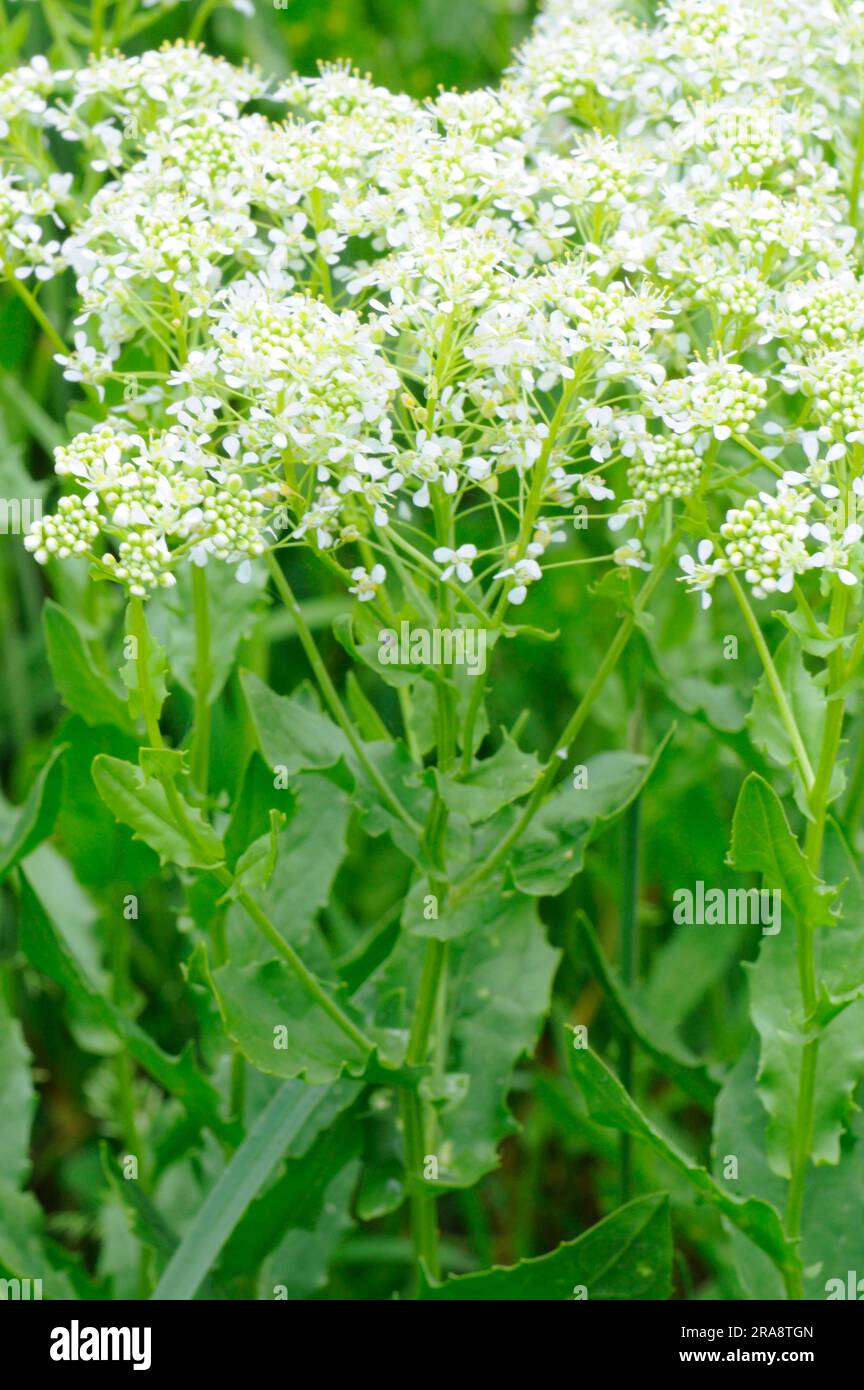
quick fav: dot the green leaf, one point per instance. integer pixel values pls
(17, 1098)
(762, 843)
(369, 722)
(609, 1104)
(296, 1196)
(279, 1028)
(87, 832)
(26, 826)
(235, 610)
(83, 688)
(143, 805)
(832, 1243)
(24, 1252)
(297, 1268)
(47, 951)
(291, 734)
(277, 1125)
(776, 1010)
(806, 699)
(490, 784)
(552, 850)
(255, 866)
(626, 1256)
(250, 817)
(309, 853)
(654, 1037)
(499, 982)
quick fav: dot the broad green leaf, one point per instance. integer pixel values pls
(292, 735)
(499, 982)
(369, 722)
(297, 1268)
(17, 1098)
(653, 1035)
(776, 1010)
(87, 832)
(496, 781)
(762, 843)
(24, 1252)
(686, 966)
(279, 1028)
(47, 951)
(250, 816)
(609, 1104)
(499, 988)
(806, 699)
(235, 610)
(626, 1256)
(254, 868)
(309, 853)
(832, 1240)
(740, 1167)
(250, 1167)
(143, 805)
(24, 827)
(83, 687)
(552, 850)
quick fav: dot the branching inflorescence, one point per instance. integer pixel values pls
(610, 313)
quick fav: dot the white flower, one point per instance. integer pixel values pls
(524, 572)
(834, 555)
(631, 555)
(456, 560)
(701, 573)
(365, 585)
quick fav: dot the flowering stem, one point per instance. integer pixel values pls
(203, 677)
(783, 707)
(196, 28)
(572, 729)
(331, 696)
(813, 840)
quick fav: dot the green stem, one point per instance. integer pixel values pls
(571, 730)
(203, 678)
(331, 696)
(424, 1229)
(805, 944)
(138, 626)
(629, 949)
(783, 707)
(196, 28)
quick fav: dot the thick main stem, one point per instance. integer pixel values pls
(805, 944)
(203, 677)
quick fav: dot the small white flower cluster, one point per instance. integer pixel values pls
(155, 499)
(434, 328)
